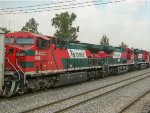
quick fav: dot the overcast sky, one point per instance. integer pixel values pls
(127, 21)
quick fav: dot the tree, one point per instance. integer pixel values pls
(5, 30)
(104, 40)
(63, 24)
(123, 45)
(31, 26)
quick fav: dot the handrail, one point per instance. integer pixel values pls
(102, 62)
(19, 66)
(20, 69)
(13, 67)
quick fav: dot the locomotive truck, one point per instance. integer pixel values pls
(32, 62)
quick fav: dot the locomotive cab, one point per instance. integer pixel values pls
(18, 47)
(42, 43)
(24, 57)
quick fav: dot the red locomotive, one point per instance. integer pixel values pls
(34, 62)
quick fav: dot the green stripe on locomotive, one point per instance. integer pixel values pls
(74, 63)
(118, 49)
(28, 52)
(27, 64)
(139, 60)
(114, 61)
(81, 63)
(137, 51)
(77, 46)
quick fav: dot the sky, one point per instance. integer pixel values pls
(127, 21)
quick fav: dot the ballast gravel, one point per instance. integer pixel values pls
(142, 106)
(24, 102)
(73, 101)
(114, 102)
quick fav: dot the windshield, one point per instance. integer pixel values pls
(24, 40)
(9, 40)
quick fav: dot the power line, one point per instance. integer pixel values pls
(39, 5)
(66, 7)
(62, 8)
(57, 6)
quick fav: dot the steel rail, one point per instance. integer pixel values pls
(84, 93)
(134, 102)
(98, 96)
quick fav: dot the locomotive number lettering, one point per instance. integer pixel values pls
(37, 57)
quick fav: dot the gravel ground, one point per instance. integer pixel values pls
(26, 102)
(114, 102)
(79, 99)
(142, 106)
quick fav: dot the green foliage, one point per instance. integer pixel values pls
(123, 45)
(5, 30)
(31, 26)
(104, 41)
(63, 24)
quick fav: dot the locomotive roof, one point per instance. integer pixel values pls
(28, 34)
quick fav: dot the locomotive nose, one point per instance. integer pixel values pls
(8, 50)
(9, 57)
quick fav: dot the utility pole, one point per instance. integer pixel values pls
(9, 25)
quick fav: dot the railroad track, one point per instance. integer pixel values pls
(57, 104)
(134, 102)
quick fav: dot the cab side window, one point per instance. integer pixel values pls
(61, 42)
(42, 44)
(54, 41)
(128, 51)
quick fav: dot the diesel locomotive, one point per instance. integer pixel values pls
(33, 62)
